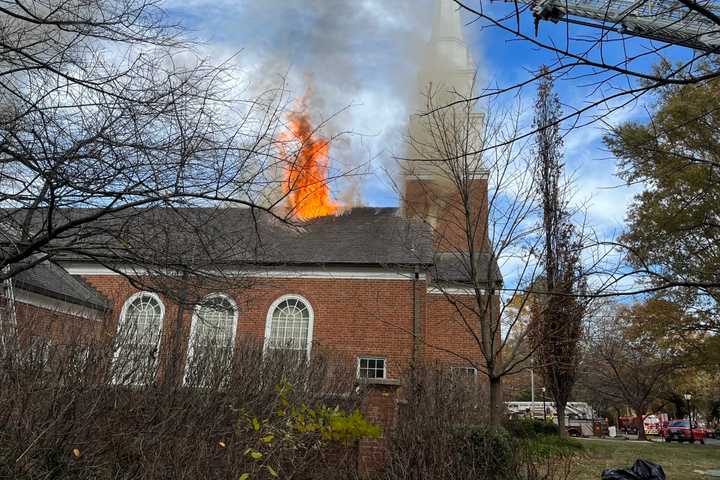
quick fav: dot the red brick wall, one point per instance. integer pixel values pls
(55, 327)
(380, 407)
(448, 338)
(352, 316)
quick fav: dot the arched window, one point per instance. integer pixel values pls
(289, 324)
(212, 338)
(137, 342)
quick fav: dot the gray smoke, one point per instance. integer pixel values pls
(361, 58)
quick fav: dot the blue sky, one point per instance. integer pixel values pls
(361, 57)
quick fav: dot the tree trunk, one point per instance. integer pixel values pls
(560, 407)
(496, 401)
(641, 427)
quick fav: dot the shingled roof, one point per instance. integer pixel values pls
(200, 238)
(52, 281)
(454, 268)
(240, 237)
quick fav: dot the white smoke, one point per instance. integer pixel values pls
(361, 57)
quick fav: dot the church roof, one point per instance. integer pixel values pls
(204, 237)
(52, 281)
(454, 268)
(210, 238)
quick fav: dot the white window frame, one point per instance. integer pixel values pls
(268, 321)
(121, 322)
(39, 349)
(372, 357)
(457, 370)
(193, 327)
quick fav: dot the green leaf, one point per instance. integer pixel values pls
(271, 471)
(256, 455)
(267, 439)
(256, 424)
(244, 476)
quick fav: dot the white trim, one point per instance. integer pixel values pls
(453, 291)
(193, 328)
(422, 176)
(372, 357)
(463, 369)
(56, 305)
(268, 320)
(361, 273)
(480, 175)
(121, 322)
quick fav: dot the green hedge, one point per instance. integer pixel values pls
(531, 428)
(489, 452)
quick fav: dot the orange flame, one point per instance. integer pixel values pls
(306, 170)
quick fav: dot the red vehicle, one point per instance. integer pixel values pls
(680, 430)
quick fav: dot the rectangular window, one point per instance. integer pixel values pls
(371, 367)
(464, 373)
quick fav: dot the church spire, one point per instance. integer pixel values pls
(448, 56)
(446, 75)
(448, 41)
(446, 22)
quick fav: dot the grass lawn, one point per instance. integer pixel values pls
(678, 460)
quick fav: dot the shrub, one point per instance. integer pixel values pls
(443, 433)
(548, 447)
(530, 427)
(64, 416)
(486, 452)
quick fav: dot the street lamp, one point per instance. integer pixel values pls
(544, 409)
(688, 397)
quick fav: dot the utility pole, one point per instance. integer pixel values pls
(532, 388)
(544, 409)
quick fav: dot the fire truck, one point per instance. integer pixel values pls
(630, 424)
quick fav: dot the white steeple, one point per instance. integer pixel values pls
(447, 45)
(443, 169)
(446, 75)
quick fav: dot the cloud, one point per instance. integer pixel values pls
(361, 58)
(593, 171)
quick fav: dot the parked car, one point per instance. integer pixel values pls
(711, 432)
(680, 431)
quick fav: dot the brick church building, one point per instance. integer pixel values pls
(370, 283)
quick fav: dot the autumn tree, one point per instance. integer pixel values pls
(673, 235)
(625, 363)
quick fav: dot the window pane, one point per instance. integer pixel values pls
(139, 332)
(290, 325)
(211, 345)
(371, 368)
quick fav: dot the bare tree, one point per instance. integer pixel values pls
(625, 364)
(480, 208)
(613, 46)
(557, 314)
(104, 112)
